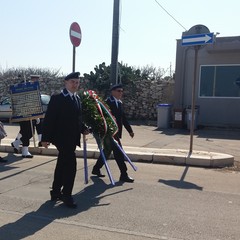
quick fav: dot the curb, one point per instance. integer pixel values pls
(149, 155)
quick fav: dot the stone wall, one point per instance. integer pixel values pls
(140, 98)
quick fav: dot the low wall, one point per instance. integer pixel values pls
(140, 97)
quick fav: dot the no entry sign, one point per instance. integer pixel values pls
(75, 34)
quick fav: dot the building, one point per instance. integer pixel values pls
(217, 82)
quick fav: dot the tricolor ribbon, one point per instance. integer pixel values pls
(85, 159)
(106, 165)
(125, 155)
(106, 111)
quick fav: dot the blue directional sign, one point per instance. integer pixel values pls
(197, 39)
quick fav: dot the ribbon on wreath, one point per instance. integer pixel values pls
(125, 155)
(85, 159)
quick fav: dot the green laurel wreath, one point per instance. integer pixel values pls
(97, 116)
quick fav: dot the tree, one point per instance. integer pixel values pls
(27, 72)
(100, 79)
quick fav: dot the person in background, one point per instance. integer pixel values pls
(38, 122)
(23, 138)
(25, 133)
(62, 126)
(3, 134)
(115, 104)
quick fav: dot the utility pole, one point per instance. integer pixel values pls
(115, 42)
(170, 69)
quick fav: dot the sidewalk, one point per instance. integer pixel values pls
(211, 147)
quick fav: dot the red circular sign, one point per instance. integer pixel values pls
(75, 34)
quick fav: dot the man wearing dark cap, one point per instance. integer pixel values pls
(115, 104)
(62, 126)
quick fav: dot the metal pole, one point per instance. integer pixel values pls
(196, 48)
(115, 42)
(34, 142)
(74, 56)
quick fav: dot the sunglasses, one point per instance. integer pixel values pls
(119, 90)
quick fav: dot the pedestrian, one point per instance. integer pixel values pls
(115, 104)
(62, 126)
(23, 138)
(25, 133)
(38, 122)
(3, 134)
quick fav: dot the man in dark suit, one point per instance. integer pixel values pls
(115, 104)
(62, 126)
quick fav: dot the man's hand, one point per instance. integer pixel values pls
(86, 132)
(45, 144)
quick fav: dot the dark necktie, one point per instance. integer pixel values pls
(119, 105)
(75, 101)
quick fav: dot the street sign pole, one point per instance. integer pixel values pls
(74, 57)
(197, 36)
(196, 48)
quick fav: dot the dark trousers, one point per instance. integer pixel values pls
(118, 156)
(65, 170)
(39, 126)
(26, 131)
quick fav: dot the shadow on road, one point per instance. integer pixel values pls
(208, 133)
(49, 211)
(181, 184)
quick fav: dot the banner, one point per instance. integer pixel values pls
(26, 101)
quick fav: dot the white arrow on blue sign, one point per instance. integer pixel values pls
(197, 39)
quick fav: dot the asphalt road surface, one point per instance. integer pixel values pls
(165, 202)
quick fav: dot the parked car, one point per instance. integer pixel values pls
(6, 106)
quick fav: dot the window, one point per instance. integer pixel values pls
(220, 81)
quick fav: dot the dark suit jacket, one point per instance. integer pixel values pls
(119, 114)
(62, 125)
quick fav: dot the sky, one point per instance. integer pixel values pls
(35, 34)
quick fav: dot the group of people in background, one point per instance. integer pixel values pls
(26, 131)
(3, 134)
(24, 136)
(62, 126)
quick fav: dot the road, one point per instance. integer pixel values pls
(165, 202)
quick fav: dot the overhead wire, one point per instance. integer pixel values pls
(170, 15)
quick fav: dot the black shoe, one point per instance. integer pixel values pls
(2, 160)
(55, 196)
(126, 178)
(97, 172)
(14, 149)
(68, 201)
(27, 156)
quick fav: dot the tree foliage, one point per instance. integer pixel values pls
(99, 79)
(27, 72)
